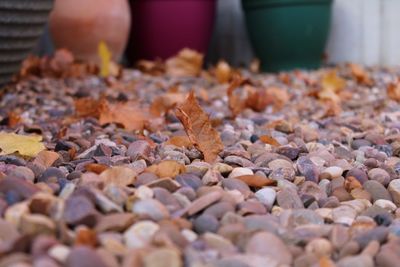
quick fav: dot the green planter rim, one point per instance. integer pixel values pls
(250, 4)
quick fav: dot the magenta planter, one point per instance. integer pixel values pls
(161, 28)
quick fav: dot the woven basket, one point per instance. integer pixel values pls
(21, 24)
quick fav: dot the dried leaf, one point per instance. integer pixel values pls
(23, 144)
(119, 175)
(351, 183)
(85, 237)
(96, 168)
(278, 97)
(105, 59)
(332, 82)
(87, 107)
(393, 91)
(14, 119)
(168, 101)
(128, 114)
(151, 67)
(235, 103)
(223, 72)
(199, 129)
(255, 65)
(269, 140)
(332, 108)
(167, 168)
(256, 100)
(179, 141)
(46, 158)
(360, 74)
(187, 63)
(256, 181)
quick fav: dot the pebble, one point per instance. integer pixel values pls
(80, 210)
(308, 169)
(377, 190)
(82, 256)
(139, 150)
(386, 204)
(21, 187)
(344, 215)
(151, 209)
(267, 196)
(321, 247)
(299, 217)
(205, 223)
(59, 252)
(359, 174)
(239, 171)
(140, 234)
(23, 172)
(115, 222)
(267, 244)
(356, 261)
(36, 224)
(394, 190)
(289, 199)
(203, 202)
(331, 173)
(189, 180)
(163, 257)
(379, 175)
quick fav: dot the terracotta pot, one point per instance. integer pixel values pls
(163, 27)
(80, 25)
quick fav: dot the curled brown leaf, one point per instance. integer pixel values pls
(199, 129)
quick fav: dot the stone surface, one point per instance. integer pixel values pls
(267, 244)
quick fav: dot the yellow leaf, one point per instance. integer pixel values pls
(105, 57)
(23, 144)
(332, 82)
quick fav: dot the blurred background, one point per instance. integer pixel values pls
(281, 34)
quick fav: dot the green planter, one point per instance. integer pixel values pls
(288, 34)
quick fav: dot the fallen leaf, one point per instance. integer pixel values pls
(14, 119)
(360, 74)
(256, 181)
(128, 114)
(393, 91)
(256, 100)
(105, 59)
(46, 158)
(179, 141)
(332, 82)
(187, 63)
(332, 86)
(223, 72)
(151, 67)
(277, 97)
(25, 145)
(269, 140)
(85, 237)
(167, 168)
(96, 168)
(351, 183)
(324, 261)
(119, 175)
(255, 65)
(332, 108)
(235, 103)
(199, 129)
(166, 102)
(87, 107)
